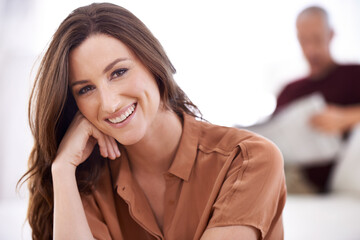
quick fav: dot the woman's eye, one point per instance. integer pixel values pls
(85, 90)
(118, 73)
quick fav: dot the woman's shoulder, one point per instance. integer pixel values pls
(228, 138)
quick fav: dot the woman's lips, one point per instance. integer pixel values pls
(123, 116)
(120, 118)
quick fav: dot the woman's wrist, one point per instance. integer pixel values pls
(59, 166)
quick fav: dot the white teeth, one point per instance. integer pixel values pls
(124, 115)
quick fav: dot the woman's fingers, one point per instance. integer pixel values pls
(107, 145)
(115, 146)
(101, 139)
(118, 153)
(110, 148)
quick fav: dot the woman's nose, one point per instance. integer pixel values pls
(108, 100)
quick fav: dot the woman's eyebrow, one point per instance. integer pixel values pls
(78, 83)
(108, 67)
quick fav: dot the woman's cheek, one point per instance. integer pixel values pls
(88, 108)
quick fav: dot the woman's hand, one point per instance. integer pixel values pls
(79, 141)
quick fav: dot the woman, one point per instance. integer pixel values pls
(118, 153)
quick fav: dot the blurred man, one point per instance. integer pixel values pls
(339, 85)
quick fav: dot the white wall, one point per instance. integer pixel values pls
(16, 61)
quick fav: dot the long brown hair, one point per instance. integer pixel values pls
(52, 106)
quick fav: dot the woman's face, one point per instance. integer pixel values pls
(113, 89)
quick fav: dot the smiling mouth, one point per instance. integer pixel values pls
(123, 116)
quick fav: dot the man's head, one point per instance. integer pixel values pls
(315, 34)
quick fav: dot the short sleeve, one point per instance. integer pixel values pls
(253, 192)
(95, 219)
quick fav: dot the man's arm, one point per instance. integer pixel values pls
(336, 119)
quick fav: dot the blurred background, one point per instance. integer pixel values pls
(232, 58)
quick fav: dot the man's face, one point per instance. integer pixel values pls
(314, 37)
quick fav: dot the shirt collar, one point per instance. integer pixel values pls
(187, 150)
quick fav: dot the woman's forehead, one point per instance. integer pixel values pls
(96, 53)
(100, 45)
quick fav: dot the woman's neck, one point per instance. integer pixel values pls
(156, 151)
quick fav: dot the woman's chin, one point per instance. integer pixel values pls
(129, 139)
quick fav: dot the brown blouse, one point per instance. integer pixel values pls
(220, 177)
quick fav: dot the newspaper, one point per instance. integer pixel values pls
(298, 141)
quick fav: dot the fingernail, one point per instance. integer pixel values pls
(106, 154)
